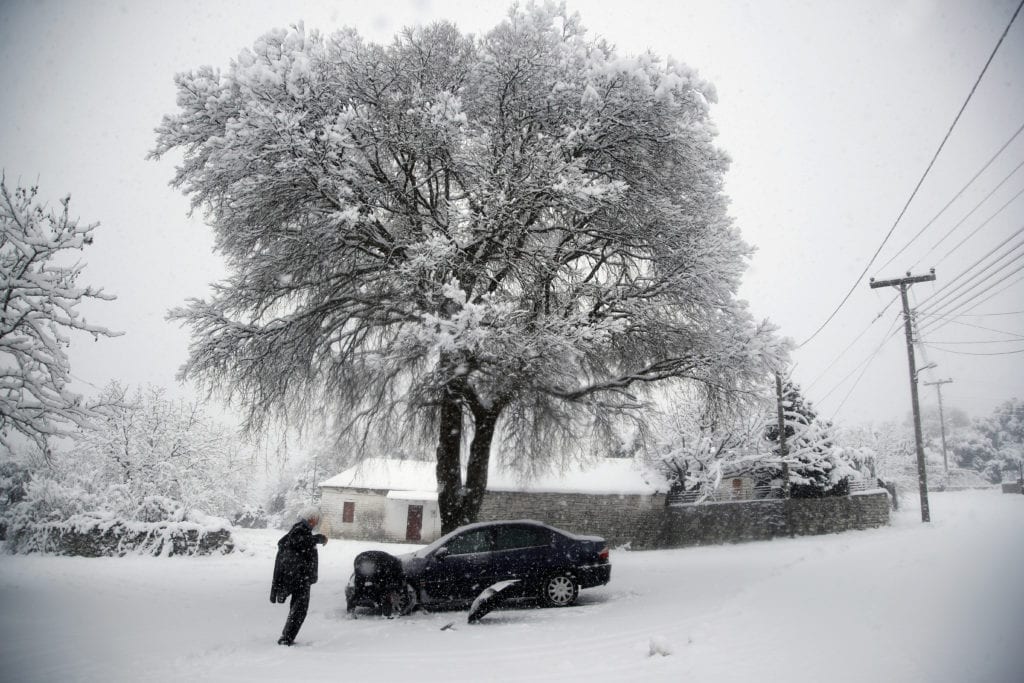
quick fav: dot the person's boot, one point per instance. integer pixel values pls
(284, 640)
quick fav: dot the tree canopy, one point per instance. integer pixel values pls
(457, 237)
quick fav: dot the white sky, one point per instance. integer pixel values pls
(830, 110)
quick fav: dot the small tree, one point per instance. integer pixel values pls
(39, 298)
(695, 452)
(145, 444)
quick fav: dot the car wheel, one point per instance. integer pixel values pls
(407, 601)
(559, 590)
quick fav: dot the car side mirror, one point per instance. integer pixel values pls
(441, 553)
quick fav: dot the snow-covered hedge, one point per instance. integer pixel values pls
(46, 522)
(103, 534)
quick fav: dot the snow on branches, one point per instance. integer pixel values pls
(40, 295)
(520, 233)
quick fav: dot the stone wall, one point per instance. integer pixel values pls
(117, 539)
(759, 520)
(614, 517)
(645, 522)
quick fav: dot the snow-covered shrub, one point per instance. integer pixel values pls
(251, 517)
(64, 518)
(102, 534)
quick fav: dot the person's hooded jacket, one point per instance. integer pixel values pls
(296, 563)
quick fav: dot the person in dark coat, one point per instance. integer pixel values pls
(295, 570)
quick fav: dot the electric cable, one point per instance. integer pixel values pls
(957, 196)
(923, 176)
(986, 274)
(994, 295)
(944, 291)
(867, 361)
(968, 353)
(850, 345)
(962, 304)
(977, 229)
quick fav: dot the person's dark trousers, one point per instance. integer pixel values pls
(296, 613)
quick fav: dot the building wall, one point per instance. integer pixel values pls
(367, 520)
(396, 519)
(612, 516)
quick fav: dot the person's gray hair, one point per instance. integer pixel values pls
(309, 512)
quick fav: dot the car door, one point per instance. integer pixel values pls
(462, 568)
(523, 552)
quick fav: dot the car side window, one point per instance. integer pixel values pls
(512, 537)
(476, 541)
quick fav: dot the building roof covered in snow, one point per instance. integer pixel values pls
(598, 476)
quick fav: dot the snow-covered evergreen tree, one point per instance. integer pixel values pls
(451, 237)
(816, 465)
(40, 295)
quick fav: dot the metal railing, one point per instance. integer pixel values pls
(721, 495)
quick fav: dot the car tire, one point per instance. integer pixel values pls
(559, 590)
(408, 601)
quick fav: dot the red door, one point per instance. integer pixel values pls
(414, 523)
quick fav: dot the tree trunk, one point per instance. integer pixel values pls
(449, 473)
(460, 504)
(485, 422)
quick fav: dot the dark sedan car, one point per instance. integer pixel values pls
(548, 564)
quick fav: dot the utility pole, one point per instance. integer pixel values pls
(783, 449)
(904, 285)
(942, 418)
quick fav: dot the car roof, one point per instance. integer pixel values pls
(507, 522)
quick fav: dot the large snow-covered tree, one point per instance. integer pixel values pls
(40, 295)
(454, 237)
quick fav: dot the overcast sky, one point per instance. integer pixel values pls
(831, 111)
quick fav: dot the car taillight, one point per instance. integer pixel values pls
(603, 555)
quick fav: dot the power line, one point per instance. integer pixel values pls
(964, 303)
(968, 353)
(982, 225)
(957, 196)
(923, 176)
(889, 334)
(995, 294)
(988, 273)
(850, 345)
(947, 289)
(973, 315)
(987, 329)
(981, 341)
(971, 213)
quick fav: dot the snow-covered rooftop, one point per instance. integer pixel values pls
(600, 476)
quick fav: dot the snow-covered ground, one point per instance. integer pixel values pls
(912, 602)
